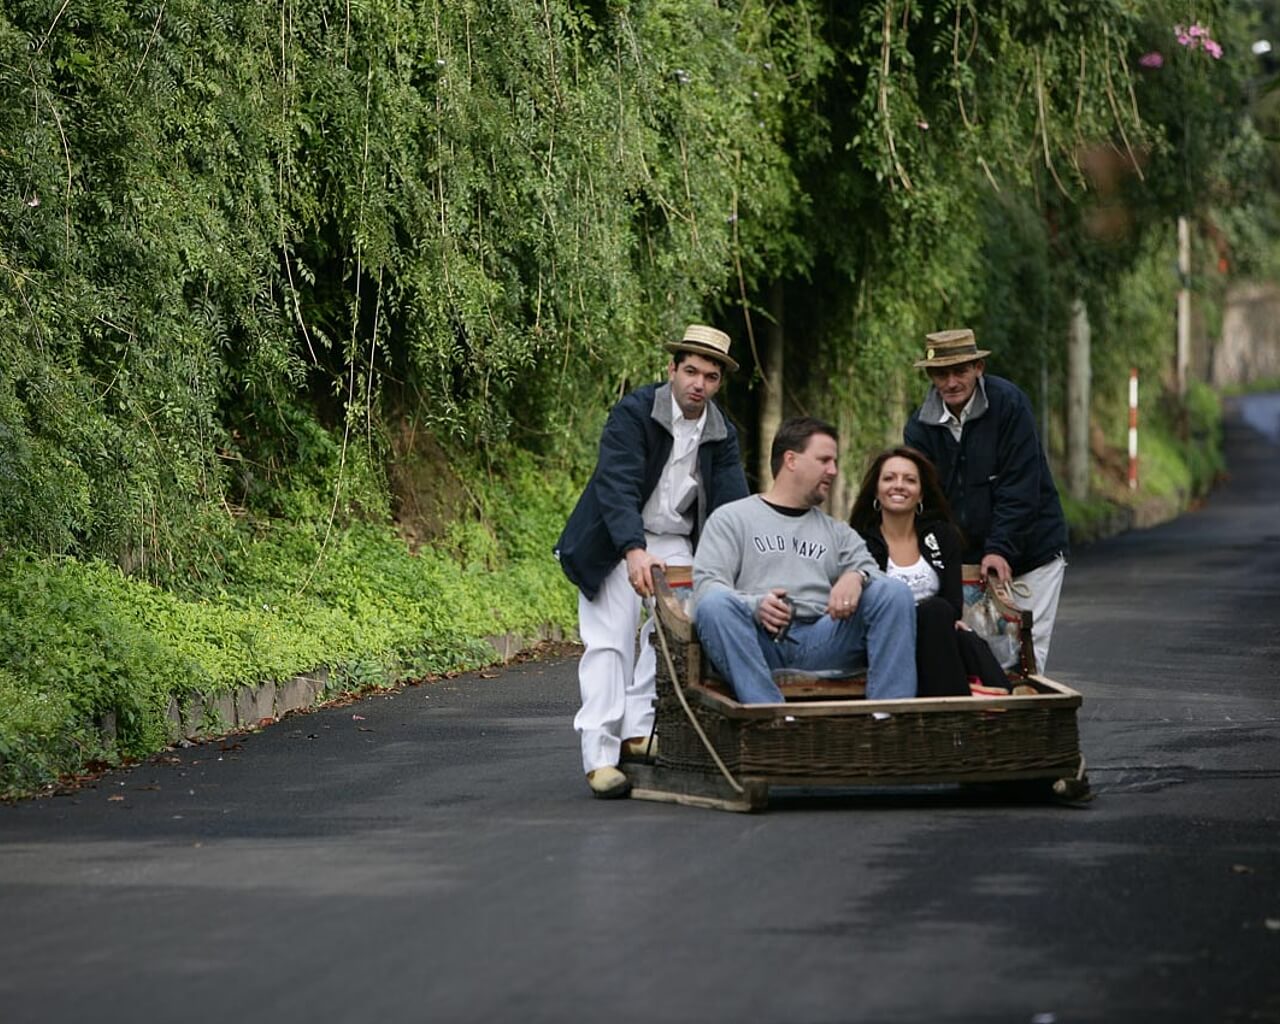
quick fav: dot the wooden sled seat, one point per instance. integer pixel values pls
(802, 686)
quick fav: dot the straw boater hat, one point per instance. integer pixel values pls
(706, 342)
(946, 348)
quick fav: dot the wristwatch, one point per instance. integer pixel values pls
(866, 576)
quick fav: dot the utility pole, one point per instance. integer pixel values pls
(772, 375)
(1184, 304)
(1079, 380)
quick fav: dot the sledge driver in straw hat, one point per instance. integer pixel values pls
(980, 432)
(668, 458)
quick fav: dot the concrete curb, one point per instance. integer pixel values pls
(197, 717)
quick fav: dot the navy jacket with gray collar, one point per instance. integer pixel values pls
(634, 448)
(996, 477)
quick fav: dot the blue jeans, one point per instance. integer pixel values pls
(882, 633)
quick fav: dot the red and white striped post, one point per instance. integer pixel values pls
(1133, 429)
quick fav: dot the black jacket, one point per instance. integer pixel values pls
(634, 447)
(940, 546)
(996, 477)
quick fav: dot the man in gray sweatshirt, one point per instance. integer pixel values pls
(780, 584)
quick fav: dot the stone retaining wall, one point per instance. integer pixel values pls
(206, 716)
(1249, 348)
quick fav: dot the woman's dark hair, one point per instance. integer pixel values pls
(865, 516)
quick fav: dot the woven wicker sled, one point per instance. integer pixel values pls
(716, 752)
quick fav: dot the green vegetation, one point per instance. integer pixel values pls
(1254, 387)
(310, 314)
(81, 639)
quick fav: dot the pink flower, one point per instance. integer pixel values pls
(1154, 59)
(1197, 36)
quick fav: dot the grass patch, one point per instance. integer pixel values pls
(80, 640)
(1180, 458)
(1253, 387)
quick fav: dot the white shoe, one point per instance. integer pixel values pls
(640, 748)
(608, 783)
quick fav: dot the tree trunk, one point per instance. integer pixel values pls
(771, 373)
(1078, 387)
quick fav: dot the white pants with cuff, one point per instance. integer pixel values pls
(1045, 584)
(617, 687)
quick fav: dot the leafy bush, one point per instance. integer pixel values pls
(41, 735)
(80, 640)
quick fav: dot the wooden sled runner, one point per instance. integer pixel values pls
(716, 752)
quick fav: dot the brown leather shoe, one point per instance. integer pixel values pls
(608, 783)
(640, 748)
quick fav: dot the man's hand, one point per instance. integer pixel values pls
(773, 612)
(997, 564)
(639, 570)
(845, 595)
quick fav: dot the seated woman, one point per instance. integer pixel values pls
(903, 516)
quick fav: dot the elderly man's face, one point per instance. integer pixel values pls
(956, 384)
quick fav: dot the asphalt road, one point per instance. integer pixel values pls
(434, 855)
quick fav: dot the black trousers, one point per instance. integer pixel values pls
(940, 669)
(947, 657)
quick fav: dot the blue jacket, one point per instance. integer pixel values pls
(996, 477)
(634, 447)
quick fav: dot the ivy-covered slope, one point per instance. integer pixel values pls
(220, 218)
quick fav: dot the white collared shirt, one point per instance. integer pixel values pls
(677, 488)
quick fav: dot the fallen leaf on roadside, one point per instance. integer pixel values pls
(488, 675)
(357, 718)
(115, 799)
(363, 728)
(1242, 869)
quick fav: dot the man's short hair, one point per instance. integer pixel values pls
(679, 357)
(793, 436)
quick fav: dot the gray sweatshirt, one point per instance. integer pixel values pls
(750, 548)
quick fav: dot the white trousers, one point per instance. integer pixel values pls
(1045, 584)
(617, 687)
